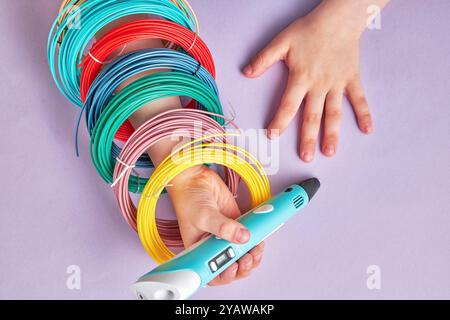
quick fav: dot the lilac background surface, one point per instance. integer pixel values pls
(384, 199)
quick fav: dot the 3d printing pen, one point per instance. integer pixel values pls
(194, 267)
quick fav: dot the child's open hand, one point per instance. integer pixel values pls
(204, 205)
(322, 54)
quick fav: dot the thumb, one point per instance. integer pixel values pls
(273, 53)
(223, 227)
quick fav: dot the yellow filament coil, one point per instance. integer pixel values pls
(192, 154)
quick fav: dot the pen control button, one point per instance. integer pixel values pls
(213, 266)
(264, 209)
(230, 253)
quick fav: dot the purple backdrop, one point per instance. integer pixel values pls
(384, 200)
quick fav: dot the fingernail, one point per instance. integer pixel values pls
(368, 129)
(273, 134)
(248, 263)
(257, 259)
(329, 150)
(242, 235)
(248, 70)
(307, 156)
(234, 269)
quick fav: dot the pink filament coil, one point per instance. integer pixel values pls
(188, 123)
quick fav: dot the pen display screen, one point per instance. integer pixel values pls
(221, 259)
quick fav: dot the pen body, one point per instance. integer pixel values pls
(205, 260)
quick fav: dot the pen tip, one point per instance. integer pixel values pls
(311, 186)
